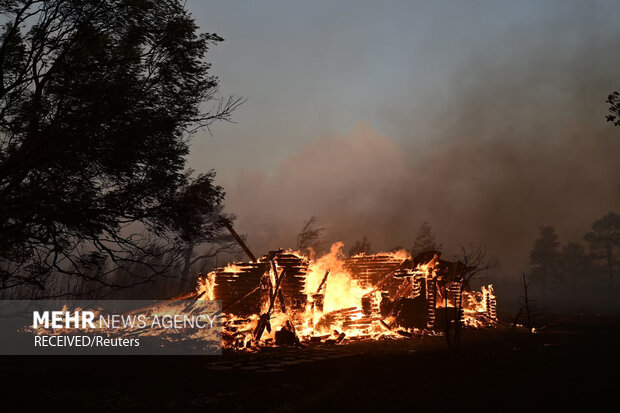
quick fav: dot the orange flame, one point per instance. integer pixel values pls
(335, 310)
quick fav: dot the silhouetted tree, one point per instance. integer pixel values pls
(310, 235)
(604, 237)
(97, 101)
(545, 257)
(360, 247)
(614, 108)
(575, 262)
(424, 240)
(474, 258)
(204, 237)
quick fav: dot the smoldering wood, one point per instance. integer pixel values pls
(223, 310)
(239, 290)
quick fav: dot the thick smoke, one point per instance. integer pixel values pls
(522, 142)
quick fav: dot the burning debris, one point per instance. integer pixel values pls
(287, 298)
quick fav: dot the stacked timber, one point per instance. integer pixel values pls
(490, 304)
(232, 284)
(370, 269)
(430, 302)
(294, 282)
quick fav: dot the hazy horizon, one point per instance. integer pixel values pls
(486, 119)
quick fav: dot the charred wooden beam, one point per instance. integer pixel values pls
(386, 325)
(279, 292)
(263, 322)
(230, 228)
(318, 290)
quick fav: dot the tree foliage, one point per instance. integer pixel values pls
(360, 247)
(545, 257)
(310, 235)
(575, 261)
(604, 239)
(424, 240)
(614, 108)
(97, 101)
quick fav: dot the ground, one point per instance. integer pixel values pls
(572, 365)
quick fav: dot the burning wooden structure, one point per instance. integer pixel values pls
(285, 297)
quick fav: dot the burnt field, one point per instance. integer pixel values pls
(572, 365)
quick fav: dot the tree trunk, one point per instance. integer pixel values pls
(187, 262)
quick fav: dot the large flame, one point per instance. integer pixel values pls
(341, 290)
(339, 307)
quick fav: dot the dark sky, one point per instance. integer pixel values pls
(484, 118)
